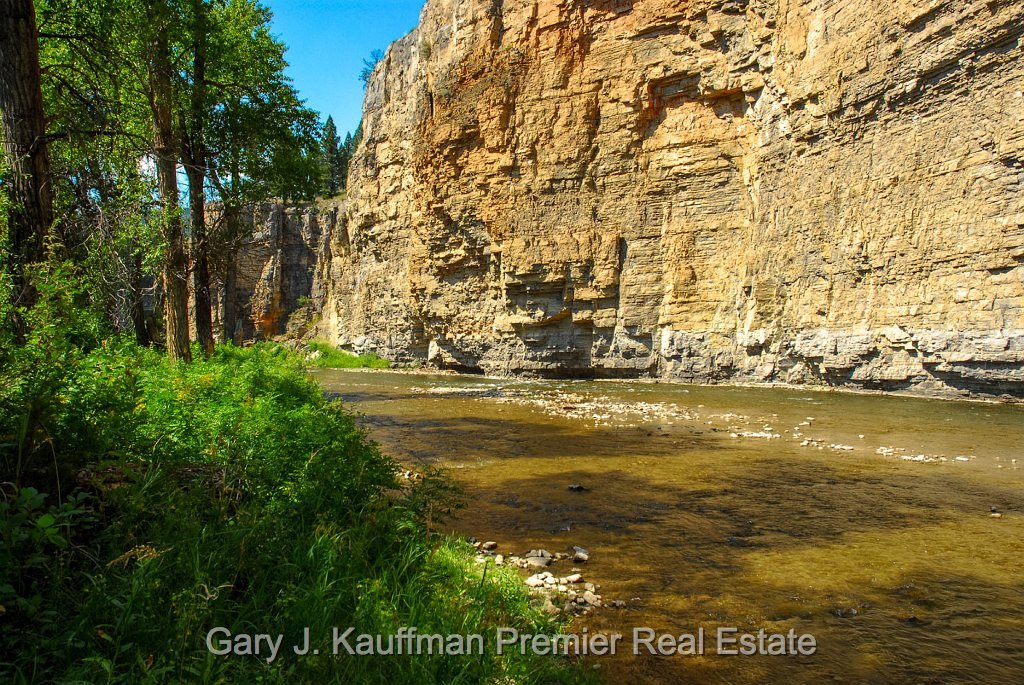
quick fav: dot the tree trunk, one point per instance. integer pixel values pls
(175, 266)
(229, 314)
(201, 256)
(24, 129)
(137, 306)
(195, 170)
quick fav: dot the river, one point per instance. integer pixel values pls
(863, 520)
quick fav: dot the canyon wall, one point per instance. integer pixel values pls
(275, 284)
(808, 191)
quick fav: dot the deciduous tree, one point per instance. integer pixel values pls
(30, 203)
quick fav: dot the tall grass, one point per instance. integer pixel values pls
(223, 493)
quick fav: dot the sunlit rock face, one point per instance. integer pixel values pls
(819, 191)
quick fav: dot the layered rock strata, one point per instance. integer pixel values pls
(274, 285)
(819, 191)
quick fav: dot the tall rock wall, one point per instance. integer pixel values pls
(825, 191)
(275, 278)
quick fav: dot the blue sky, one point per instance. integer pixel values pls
(327, 41)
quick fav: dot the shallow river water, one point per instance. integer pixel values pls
(863, 520)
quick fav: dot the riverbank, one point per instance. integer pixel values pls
(218, 521)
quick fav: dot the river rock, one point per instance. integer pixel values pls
(489, 545)
(534, 581)
(538, 558)
(580, 555)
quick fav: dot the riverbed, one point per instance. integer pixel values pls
(863, 520)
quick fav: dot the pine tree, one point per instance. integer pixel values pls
(332, 159)
(369, 65)
(357, 138)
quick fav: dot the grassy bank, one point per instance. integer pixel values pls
(326, 356)
(223, 493)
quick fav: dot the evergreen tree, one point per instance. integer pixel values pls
(357, 138)
(369, 65)
(332, 158)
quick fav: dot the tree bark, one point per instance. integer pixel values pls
(137, 306)
(201, 254)
(165, 145)
(195, 169)
(24, 129)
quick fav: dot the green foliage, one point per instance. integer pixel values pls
(351, 144)
(260, 141)
(226, 492)
(347, 151)
(145, 501)
(61, 331)
(268, 142)
(325, 355)
(35, 543)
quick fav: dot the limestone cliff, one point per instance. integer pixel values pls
(825, 191)
(274, 279)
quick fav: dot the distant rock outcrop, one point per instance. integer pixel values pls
(273, 282)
